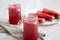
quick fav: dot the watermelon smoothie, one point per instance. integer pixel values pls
(30, 28)
(14, 14)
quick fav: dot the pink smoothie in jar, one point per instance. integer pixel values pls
(30, 28)
(14, 14)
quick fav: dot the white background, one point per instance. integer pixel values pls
(27, 5)
(33, 4)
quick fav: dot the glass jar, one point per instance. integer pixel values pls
(14, 14)
(30, 27)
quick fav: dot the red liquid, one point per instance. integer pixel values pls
(30, 29)
(14, 14)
